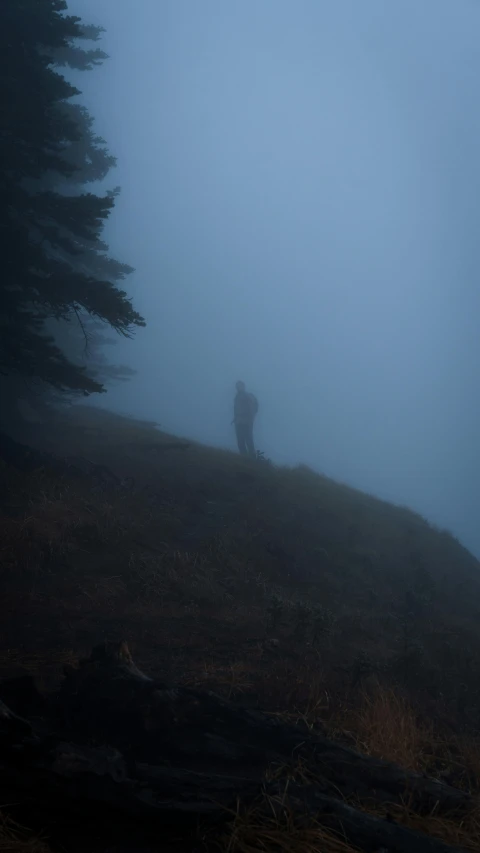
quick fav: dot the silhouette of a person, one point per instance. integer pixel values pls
(245, 408)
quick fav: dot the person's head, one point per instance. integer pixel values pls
(240, 386)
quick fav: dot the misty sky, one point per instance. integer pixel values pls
(301, 201)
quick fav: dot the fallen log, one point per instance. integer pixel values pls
(115, 738)
(368, 832)
(111, 699)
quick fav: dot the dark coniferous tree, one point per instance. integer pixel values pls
(55, 265)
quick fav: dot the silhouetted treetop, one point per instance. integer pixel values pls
(55, 263)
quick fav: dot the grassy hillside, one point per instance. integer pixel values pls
(279, 588)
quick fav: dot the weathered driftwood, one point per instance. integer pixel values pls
(116, 738)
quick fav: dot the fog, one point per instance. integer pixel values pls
(300, 199)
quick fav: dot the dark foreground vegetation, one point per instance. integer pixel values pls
(314, 655)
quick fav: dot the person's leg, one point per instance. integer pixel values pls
(249, 440)
(242, 446)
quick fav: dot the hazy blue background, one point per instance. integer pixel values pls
(301, 200)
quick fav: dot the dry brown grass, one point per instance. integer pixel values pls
(459, 831)
(464, 755)
(206, 560)
(384, 724)
(54, 522)
(270, 826)
(314, 711)
(261, 826)
(233, 679)
(17, 839)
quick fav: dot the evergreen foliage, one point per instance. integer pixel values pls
(56, 266)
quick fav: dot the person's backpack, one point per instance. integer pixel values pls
(254, 403)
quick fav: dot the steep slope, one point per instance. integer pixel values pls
(200, 558)
(277, 588)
